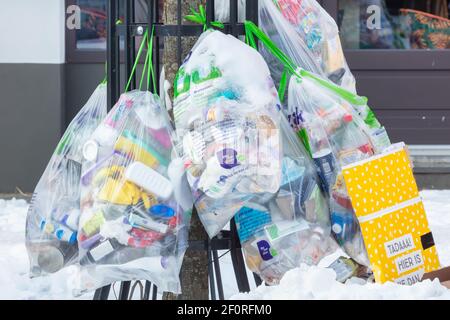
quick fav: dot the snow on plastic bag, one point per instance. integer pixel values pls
(308, 35)
(337, 133)
(52, 220)
(229, 123)
(135, 204)
(244, 161)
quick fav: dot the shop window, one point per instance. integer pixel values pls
(394, 24)
(88, 43)
(92, 34)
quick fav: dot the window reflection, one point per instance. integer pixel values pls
(92, 34)
(395, 24)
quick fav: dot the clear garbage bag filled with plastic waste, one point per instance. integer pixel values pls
(52, 219)
(136, 203)
(291, 227)
(244, 161)
(336, 134)
(229, 125)
(304, 31)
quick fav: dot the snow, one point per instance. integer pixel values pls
(311, 282)
(320, 283)
(14, 280)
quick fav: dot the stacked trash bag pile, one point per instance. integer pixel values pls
(117, 195)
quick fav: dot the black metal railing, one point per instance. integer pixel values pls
(129, 30)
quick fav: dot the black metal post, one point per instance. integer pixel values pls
(218, 274)
(234, 17)
(148, 286)
(102, 293)
(237, 259)
(212, 287)
(130, 42)
(156, 45)
(113, 53)
(155, 292)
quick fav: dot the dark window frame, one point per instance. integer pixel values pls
(391, 59)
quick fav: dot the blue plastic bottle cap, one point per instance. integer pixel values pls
(162, 211)
(59, 234)
(73, 238)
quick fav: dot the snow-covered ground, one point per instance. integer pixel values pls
(310, 283)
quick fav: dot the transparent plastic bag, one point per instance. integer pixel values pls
(304, 31)
(52, 220)
(244, 161)
(229, 126)
(136, 203)
(336, 135)
(279, 232)
(222, 10)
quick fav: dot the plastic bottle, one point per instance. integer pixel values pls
(353, 143)
(59, 231)
(149, 179)
(49, 256)
(334, 117)
(100, 251)
(322, 153)
(343, 224)
(70, 218)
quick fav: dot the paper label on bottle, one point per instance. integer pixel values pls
(198, 96)
(101, 250)
(250, 221)
(282, 229)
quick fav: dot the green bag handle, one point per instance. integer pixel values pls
(143, 43)
(200, 18)
(341, 92)
(251, 30)
(148, 65)
(144, 69)
(105, 79)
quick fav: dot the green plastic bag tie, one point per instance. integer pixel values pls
(144, 69)
(303, 135)
(105, 79)
(283, 84)
(148, 65)
(199, 17)
(341, 92)
(371, 120)
(249, 38)
(292, 68)
(143, 43)
(150, 70)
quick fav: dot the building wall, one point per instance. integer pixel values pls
(41, 94)
(31, 88)
(414, 105)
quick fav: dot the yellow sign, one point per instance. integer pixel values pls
(392, 217)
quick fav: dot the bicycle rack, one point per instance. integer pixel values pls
(129, 30)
